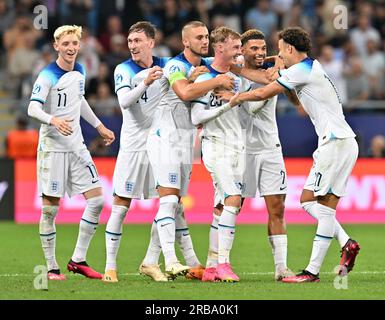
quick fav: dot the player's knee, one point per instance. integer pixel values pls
(277, 209)
(233, 201)
(95, 205)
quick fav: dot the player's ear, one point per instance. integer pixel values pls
(152, 43)
(56, 46)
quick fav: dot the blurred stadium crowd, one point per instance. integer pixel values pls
(354, 57)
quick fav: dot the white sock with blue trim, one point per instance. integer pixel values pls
(114, 234)
(47, 232)
(323, 238)
(339, 233)
(183, 238)
(212, 256)
(226, 233)
(154, 248)
(165, 221)
(87, 227)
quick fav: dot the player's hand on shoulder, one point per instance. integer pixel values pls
(107, 135)
(197, 72)
(62, 125)
(154, 74)
(225, 81)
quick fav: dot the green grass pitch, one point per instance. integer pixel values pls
(20, 252)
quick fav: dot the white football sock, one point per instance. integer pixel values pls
(278, 245)
(47, 232)
(114, 234)
(182, 236)
(212, 257)
(87, 227)
(154, 248)
(165, 221)
(226, 232)
(339, 233)
(324, 235)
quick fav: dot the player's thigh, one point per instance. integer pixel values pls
(83, 175)
(131, 175)
(250, 176)
(52, 173)
(273, 177)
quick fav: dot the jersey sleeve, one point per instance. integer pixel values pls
(122, 77)
(294, 76)
(41, 88)
(175, 70)
(205, 98)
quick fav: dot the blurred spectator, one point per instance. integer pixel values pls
(160, 49)
(281, 7)
(362, 33)
(22, 142)
(356, 83)
(114, 28)
(334, 68)
(377, 147)
(294, 17)
(119, 52)
(90, 51)
(261, 17)
(225, 13)
(375, 70)
(103, 76)
(78, 11)
(7, 17)
(104, 103)
(47, 55)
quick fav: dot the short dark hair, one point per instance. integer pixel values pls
(297, 37)
(144, 26)
(252, 34)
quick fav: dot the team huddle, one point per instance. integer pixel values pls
(163, 102)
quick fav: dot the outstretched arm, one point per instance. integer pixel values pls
(259, 94)
(200, 115)
(189, 91)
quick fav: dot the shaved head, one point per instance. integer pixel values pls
(189, 26)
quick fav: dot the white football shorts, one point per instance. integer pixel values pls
(133, 176)
(171, 155)
(265, 173)
(61, 172)
(226, 168)
(332, 166)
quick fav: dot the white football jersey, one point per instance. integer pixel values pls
(261, 126)
(319, 98)
(177, 67)
(137, 118)
(226, 128)
(60, 92)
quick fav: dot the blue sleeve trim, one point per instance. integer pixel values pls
(197, 101)
(127, 86)
(38, 100)
(284, 85)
